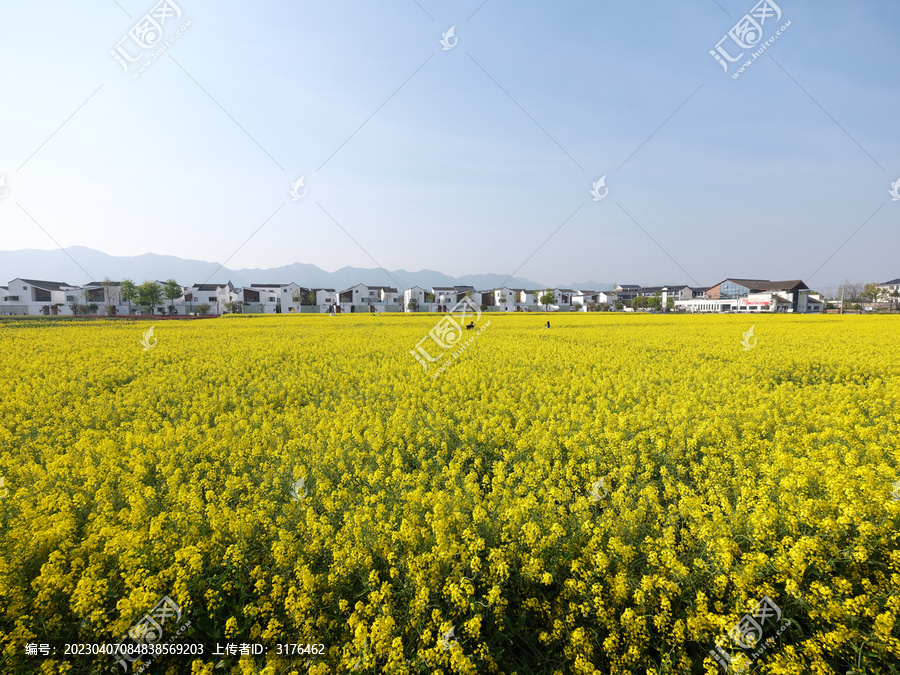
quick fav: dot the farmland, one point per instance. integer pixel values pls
(610, 495)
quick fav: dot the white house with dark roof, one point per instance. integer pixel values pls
(214, 295)
(385, 295)
(326, 298)
(34, 297)
(259, 299)
(562, 297)
(415, 294)
(357, 294)
(507, 299)
(371, 297)
(583, 298)
(627, 292)
(271, 298)
(891, 286)
(445, 296)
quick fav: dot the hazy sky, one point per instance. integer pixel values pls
(466, 159)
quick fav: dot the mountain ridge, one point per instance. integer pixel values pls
(80, 264)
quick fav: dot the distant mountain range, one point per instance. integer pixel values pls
(79, 265)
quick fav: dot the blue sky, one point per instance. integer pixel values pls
(463, 160)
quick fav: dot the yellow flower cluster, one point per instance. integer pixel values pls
(611, 495)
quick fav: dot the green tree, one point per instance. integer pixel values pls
(872, 293)
(128, 291)
(149, 295)
(172, 291)
(412, 305)
(203, 309)
(547, 299)
(297, 299)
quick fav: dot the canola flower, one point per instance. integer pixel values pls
(299, 479)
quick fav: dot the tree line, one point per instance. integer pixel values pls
(148, 295)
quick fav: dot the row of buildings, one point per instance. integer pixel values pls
(36, 297)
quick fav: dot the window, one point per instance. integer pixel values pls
(212, 298)
(70, 298)
(24, 288)
(13, 298)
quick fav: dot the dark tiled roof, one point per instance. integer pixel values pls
(793, 284)
(47, 285)
(755, 285)
(277, 285)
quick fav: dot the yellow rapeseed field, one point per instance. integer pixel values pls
(611, 495)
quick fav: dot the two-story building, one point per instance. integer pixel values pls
(35, 297)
